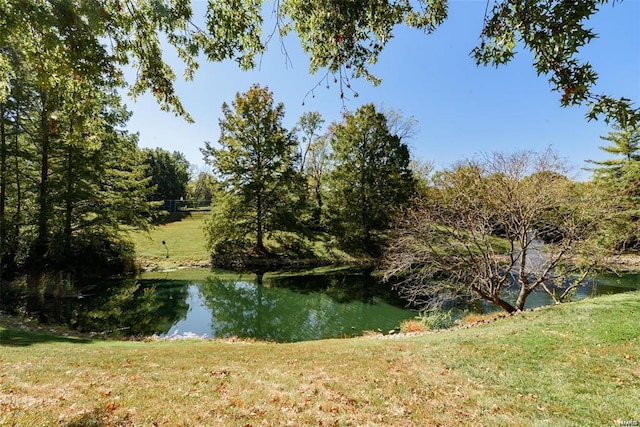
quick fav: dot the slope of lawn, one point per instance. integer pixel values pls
(185, 245)
(572, 365)
(184, 240)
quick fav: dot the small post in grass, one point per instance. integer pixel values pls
(165, 247)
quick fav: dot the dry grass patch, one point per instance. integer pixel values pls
(477, 318)
(413, 326)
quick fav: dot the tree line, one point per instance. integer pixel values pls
(71, 174)
(469, 231)
(347, 182)
(73, 183)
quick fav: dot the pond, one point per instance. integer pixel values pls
(281, 307)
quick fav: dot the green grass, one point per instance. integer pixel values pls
(185, 240)
(197, 274)
(186, 244)
(572, 365)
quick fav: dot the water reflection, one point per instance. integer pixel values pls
(269, 309)
(285, 308)
(124, 307)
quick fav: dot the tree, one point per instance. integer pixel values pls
(315, 172)
(200, 187)
(345, 38)
(370, 179)
(403, 127)
(308, 126)
(617, 182)
(625, 143)
(313, 160)
(64, 150)
(483, 228)
(255, 166)
(168, 173)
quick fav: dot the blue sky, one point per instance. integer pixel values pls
(463, 110)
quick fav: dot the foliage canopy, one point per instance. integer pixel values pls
(168, 173)
(343, 37)
(617, 183)
(370, 179)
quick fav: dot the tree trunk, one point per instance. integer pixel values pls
(494, 299)
(17, 219)
(504, 305)
(68, 205)
(3, 184)
(69, 196)
(42, 236)
(259, 225)
(317, 214)
(522, 297)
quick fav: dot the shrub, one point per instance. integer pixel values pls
(437, 318)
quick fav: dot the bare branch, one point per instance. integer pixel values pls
(486, 226)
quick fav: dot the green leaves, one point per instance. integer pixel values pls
(168, 173)
(234, 27)
(554, 31)
(255, 166)
(348, 36)
(6, 74)
(344, 37)
(370, 179)
(617, 185)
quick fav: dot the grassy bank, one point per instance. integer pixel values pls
(185, 246)
(576, 364)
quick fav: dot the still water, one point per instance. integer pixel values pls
(287, 308)
(296, 308)
(282, 308)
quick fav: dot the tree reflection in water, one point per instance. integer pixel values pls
(298, 308)
(123, 307)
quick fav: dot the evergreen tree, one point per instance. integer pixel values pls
(168, 173)
(625, 143)
(617, 182)
(255, 164)
(370, 180)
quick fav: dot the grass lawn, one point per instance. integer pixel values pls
(186, 244)
(185, 240)
(572, 365)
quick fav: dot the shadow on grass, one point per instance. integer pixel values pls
(18, 338)
(169, 217)
(100, 417)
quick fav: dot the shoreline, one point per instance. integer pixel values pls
(623, 263)
(149, 265)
